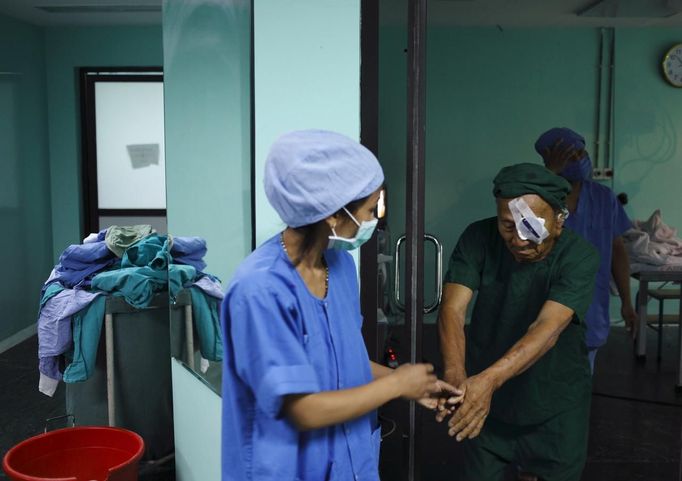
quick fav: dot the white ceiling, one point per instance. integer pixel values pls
(556, 13)
(502, 13)
(134, 12)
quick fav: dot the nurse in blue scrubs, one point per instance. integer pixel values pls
(299, 391)
(597, 216)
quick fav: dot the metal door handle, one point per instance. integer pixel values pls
(396, 277)
(439, 274)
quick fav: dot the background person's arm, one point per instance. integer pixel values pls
(620, 269)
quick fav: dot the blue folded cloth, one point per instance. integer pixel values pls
(190, 251)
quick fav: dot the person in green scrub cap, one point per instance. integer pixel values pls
(522, 363)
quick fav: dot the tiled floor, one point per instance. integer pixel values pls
(635, 426)
(23, 410)
(636, 420)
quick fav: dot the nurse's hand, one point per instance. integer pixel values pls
(444, 401)
(469, 418)
(416, 381)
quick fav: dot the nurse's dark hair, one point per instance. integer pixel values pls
(312, 232)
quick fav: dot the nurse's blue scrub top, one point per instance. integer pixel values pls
(599, 218)
(279, 339)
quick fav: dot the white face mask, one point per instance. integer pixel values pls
(364, 233)
(528, 225)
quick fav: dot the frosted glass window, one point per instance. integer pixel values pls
(130, 145)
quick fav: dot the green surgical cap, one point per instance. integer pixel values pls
(520, 179)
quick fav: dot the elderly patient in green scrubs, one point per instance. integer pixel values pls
(522, 362)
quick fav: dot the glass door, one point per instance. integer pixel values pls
(405, 257)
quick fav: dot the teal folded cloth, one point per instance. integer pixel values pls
(179, 276)
(137, 285)
(86, 326)
(205, 313)
(145, 270)
(152, 251)
(51, 291)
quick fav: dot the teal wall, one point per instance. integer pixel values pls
(40, 144)
(648, 130)
(310, 79)
(491, 92)
(489, 95)
(207, 95)
(306, 80)
(25, 216)
(66, 49)
(196, 411)
(648, 125)
(207, 121)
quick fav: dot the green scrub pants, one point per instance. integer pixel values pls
(553, 451)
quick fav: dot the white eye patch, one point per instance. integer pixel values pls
(528, 225)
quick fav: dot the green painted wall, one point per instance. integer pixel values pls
(491, 92)
(207, 121)
(207, 96)
(25, 215)
(302, 81)
(648, 131)
(67, 49)
(648, 124)
(197, 412)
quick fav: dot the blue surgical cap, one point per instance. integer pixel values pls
(567, 136)
(312, 174)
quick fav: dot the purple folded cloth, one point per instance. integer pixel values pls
(54, 327)
(80, 261)
(190, 251)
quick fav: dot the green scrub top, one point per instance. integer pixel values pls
(510, 296)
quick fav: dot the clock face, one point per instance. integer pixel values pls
(672, 65)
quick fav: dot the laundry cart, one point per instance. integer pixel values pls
(191, 338)
(130, 386)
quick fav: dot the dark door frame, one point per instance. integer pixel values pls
(414, 201)
(88, 76)
(415, 209)
(369, 137)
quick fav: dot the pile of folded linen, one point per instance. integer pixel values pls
(133, 262)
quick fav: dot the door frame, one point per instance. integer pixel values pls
(415, 198)
(88, 76)
(369, 137)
